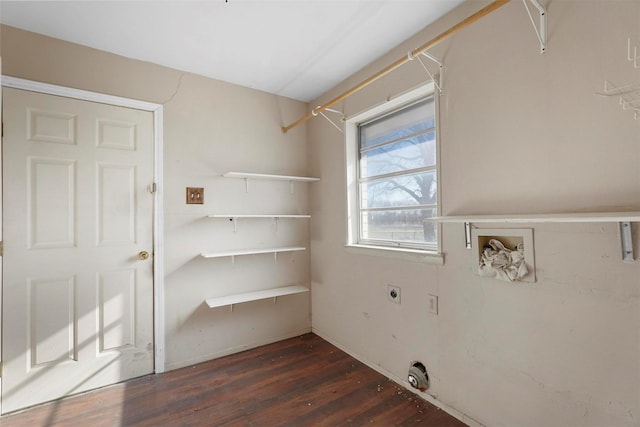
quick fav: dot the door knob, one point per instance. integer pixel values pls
(143, 255)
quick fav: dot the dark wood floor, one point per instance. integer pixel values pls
(302, 381)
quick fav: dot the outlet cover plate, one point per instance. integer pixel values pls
(432, 302)
(195, 195)
(393, 293)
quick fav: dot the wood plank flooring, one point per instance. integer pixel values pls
(303, 381)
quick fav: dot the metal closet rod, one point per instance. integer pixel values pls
(419, 50)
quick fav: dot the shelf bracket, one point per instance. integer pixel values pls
(277, 221)
(467, 235)
(630, 105)
(632, 57)
(246, 185)
(626, 240)
(611, 90)
(629, 96)
(235, 224)
(541, 29)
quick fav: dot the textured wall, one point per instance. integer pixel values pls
(520, 132)
(210, 127)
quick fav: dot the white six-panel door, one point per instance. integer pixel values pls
(78, 216)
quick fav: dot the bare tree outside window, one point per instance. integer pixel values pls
(397, 176)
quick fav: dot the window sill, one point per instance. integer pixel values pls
(398, 253)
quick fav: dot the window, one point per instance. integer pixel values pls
(395, 185)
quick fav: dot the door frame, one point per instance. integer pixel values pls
(158, 213)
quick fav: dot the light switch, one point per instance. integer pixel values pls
(195, 196)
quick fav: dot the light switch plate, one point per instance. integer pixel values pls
(432, 302)
(195, 195)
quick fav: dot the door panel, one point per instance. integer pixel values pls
(116, 309)
(51, 320)
(77, 300)
(116, 204)
(51, 203)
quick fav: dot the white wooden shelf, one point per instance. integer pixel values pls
(624, 220)
(230, 300)
(235, 253)
(537, 218)
(246, 175)
(233, 216)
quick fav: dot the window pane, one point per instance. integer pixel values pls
(412, 153)
(407, 121)
(397, 178)
(405, 190)
(399, 225)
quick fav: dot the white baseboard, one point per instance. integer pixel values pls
(233, 350)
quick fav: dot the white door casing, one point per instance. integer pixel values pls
(78, 301)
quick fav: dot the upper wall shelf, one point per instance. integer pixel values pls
(624, 220)
(247, 176)
(241, 252)
(537, 218)
(233, 217)
(231, 300)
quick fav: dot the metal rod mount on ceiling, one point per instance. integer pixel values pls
(405, 58)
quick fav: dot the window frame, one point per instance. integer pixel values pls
(352, 130)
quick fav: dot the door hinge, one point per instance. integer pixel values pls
(152, 188)
(1, 369)
(1, 250)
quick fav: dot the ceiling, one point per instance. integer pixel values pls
(294, 48)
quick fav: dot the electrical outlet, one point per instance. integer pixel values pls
(195, 196)
(433, 304)
(393, 292)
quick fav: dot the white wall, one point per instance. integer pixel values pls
(563, 351)
(210, 127)
(520, 132)
(224, 128)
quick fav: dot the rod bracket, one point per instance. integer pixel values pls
(494, 5)
(319, 110)
(437, 82)
(541, 28)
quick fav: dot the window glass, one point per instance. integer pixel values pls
(402, 226)
(415, 118)
(417, 189)
(416, 152)
(397, 177)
